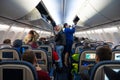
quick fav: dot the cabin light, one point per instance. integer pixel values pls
(36, 30)
(88, 32)
(41, 32)
(112, 29)
(27, 30)
(4, 27)
(46, 32)
(92, 31)
(13, 28)
(77, 33)
(98, 31)
(80, 32)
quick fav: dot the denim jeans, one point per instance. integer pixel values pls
(59, 50)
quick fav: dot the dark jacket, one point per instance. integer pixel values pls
(60, 38)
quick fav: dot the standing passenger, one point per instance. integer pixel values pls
(69, 31)
(31, 38)
(60, 40)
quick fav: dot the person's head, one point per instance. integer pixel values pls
(86, 44)
(66, 25)
(29, 56)
(7, 41)
(103, 53)
(17, 43)
(31, 32)
(58, 28)
(106, 45)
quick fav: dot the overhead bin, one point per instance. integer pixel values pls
(16, 9)
(33, 15)
(97, 12)
(41, 23)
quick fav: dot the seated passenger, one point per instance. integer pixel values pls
(7, 41)
(7, 44)
(29, 56)
(86, 46)
(102, 54)
(17, 45)
(106, 45)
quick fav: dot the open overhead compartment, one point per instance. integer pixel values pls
(41, 23)
(37, 19)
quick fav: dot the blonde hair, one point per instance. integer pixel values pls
(60, 27)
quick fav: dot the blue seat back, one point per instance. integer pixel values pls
(9, 54)
(98, 70)
(86, 59)
(79, 49)
(116, 55)
(42, 59)
(49, 51)
(117, 47)
(23, 48)
(17, 70)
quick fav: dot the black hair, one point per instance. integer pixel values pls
(7, 41)
(65, 24)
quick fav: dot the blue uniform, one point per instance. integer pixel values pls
(69, 38)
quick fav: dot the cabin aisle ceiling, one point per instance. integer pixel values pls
(62, 10)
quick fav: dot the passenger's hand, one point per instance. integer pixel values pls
(75, 22)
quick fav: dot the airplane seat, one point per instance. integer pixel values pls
(98, 72)
(117, 47)
(110, 44)
(73, 45)
(116, 55)
(52, 45)
(99, 46)
(86, 61)
(25, 47)
(42, 59)
(100, 42)
(9, 54)
(39, 43)
(79, 49)
(47, 48)
(17, 70)
(5, 46)
(93, 45)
